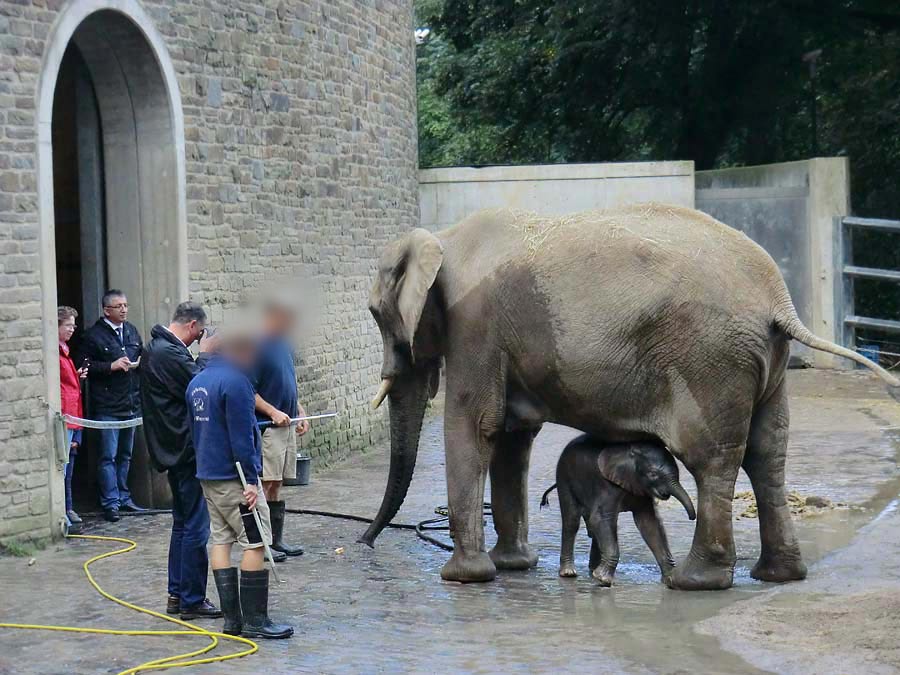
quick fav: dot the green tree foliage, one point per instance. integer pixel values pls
(721, 82)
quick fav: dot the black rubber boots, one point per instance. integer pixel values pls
(247, 610)
(276, 513)
(255, 608)
(229, 599)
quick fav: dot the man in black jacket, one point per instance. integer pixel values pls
(166, 370)
(112, 348)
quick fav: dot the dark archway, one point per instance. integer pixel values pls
(111, 183)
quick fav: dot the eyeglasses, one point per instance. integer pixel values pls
(123, 305)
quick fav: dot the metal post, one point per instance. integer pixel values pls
(843, 283)
(848, 330)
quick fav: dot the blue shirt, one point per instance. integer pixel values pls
(274, 377)
(221, 404)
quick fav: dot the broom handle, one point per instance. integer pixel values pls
(259, 524)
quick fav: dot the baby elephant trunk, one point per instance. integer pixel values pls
(681, 495)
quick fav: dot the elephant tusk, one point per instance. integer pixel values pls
(383, 390)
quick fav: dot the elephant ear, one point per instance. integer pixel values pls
(619, 465)
(422, 255)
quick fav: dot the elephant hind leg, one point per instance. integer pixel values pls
(571, 514)
(509, 501)
(764, 461)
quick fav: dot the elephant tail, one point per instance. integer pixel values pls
(787, 320)
(544, 500)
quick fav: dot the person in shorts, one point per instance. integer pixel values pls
(275, 380)
(221, 405)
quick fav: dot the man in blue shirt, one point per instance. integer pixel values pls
(221, 403)
(275, 380)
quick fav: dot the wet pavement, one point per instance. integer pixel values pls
(386, 610)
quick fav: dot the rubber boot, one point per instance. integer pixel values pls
(276, 513)
(255, 607)
(229, 599)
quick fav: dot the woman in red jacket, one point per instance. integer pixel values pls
(70, 389)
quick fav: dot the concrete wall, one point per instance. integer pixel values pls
(789, 209)
(446, 196)
(298, 125)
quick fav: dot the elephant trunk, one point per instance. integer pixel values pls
(407, 398)
(681, 495)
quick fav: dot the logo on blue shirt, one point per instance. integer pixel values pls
(200, 403)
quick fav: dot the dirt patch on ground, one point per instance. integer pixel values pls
(800, 505)
(853, 633)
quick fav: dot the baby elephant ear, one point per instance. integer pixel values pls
(618, 465)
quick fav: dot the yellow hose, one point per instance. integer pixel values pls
(177, 661)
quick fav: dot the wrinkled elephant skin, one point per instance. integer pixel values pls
(648, 322)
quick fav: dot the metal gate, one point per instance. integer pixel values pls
(844, 303)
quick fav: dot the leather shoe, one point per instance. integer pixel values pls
(173, 604)
(131, 507)
(111, 515)
(73, 517)
(205, 610)
(278, 556)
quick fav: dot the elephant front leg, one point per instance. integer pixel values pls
(467, 461)
(604, 529)
(654, 534)
(710, 563)
(509, 501)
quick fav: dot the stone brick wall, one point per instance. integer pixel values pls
(300, 147)
(25, 444)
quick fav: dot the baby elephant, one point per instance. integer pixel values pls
(598, 481)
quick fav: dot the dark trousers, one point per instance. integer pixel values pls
(188, 560)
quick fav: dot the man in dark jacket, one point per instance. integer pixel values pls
(166, 370)
(112, 349)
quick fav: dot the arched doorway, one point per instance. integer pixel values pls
(111, 185)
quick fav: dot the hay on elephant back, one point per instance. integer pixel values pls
(538, 231)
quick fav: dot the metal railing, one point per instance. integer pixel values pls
(844, 302)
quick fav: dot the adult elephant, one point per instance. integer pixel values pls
(646, 322)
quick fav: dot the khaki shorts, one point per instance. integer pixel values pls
(279, 453)
(223, 499)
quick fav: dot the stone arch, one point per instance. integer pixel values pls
(143, 145)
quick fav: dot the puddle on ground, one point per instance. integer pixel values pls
(638, 621)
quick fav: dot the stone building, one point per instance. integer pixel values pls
(194, 148)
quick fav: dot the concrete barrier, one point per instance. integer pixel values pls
(789, 209)
(446, 196)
